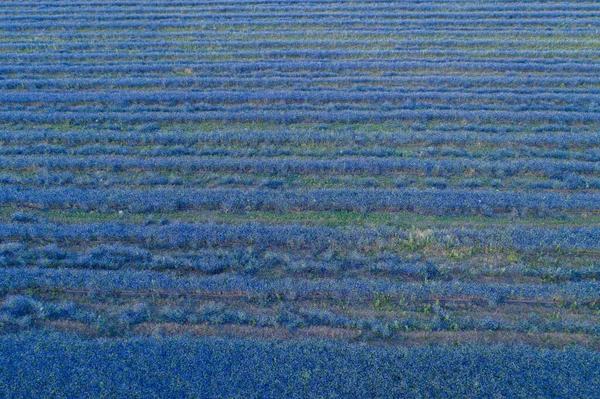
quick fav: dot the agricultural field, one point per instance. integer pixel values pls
(299, 199)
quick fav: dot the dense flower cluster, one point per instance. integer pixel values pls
(189, 368)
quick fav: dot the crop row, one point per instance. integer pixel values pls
(402, 42)
(339, 289)
(118, 98)
(546, 135)
(532, 65)
(280, 115)
(294, 165)
(219, 3)
(450, 201)
(197, 51)
(284, 15)
(202, 54)
(24, 311)
(304, 238)
(191, 52)
(498, 165)
(581, 20)
(100, 178)
(306, 32)
(400, 84)
(292, 112)
(317, 6)
(488, 152)
(255, 260)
